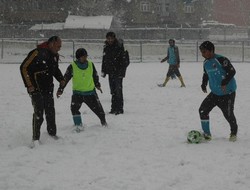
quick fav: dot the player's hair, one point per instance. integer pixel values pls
(207, 45)
(110, 34)
(53, 39)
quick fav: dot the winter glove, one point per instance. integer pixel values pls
(99, 88)
(58, 94)
(62, 83)
(103, 74)
(164, 59)
(204, 88)
(30, 89)
(60, 89)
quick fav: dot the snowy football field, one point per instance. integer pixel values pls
(143, 149)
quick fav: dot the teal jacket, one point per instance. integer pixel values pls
(173, 57)
(219, 71)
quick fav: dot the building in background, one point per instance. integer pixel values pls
(28, 11)
(132, 19)
(191, 13)
(152, 13)
(134, 13)
(168, 13)
(142, 13)
(49, 11)
(231, 12)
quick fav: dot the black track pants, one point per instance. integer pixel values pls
(225, 103)
(43, 102)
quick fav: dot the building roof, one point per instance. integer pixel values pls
(88, 22)
(53, 26)
(78, 22)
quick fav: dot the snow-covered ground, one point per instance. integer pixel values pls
(143, 149)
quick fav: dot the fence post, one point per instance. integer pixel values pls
(166, 31)
(124, 32)
(141, 51)
(197, 52)
(243, 51)
(225, 34)
(2, 50)
(180, 33)
(73, 55)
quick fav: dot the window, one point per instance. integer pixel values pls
(189, 9)
(145, 6)
(167, 7)
(158, 8)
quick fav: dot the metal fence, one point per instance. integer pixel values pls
(15, 50)
(143, 33)
(26, 31)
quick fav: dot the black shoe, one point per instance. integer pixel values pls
(119, 112)
(104, 123)
(112, 112)
(161, 85)
(55, 137)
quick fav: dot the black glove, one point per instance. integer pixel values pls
(103, 74)
(59, 92)
(204, 88)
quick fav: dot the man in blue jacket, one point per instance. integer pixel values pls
(219, 72)
(173, 58)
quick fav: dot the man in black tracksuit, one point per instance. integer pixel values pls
(38, 70)
(113, 65)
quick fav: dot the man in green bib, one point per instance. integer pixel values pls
(85, 80)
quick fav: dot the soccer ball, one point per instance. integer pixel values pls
(194, 137)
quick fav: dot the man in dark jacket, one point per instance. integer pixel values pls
(38, 70)
(113, 65)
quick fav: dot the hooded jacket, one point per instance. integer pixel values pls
(39, 68)
(112, 61)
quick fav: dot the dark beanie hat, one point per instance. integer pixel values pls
(207, 45)
(81, 52)
(110, 34)
(171, 40)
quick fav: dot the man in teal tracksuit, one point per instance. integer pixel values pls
(219, 72)
(84, 81)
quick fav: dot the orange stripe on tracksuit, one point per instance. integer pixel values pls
(25, 68)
